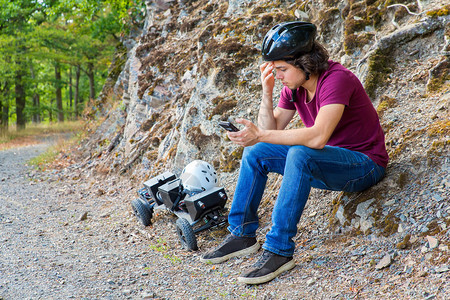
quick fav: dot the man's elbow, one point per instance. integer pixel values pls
(319, 143)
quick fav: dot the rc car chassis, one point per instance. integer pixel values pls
(196, 213)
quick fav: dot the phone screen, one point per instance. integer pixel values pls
(228, 126)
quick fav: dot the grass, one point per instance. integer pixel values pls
(35, 134)
(50, 155)
(30, 136)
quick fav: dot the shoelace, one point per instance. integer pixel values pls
(264, 258)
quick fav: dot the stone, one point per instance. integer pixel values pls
(385, 262)
(432, 242)
(340, 215)
(301, 15)
(83, 216)
(311, 281)
(313, 214)
(422, 274)
(389, 203)
(363, 210)
(443, 269)
(443, 248)
(366, 224)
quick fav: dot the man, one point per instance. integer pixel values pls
(340, 148)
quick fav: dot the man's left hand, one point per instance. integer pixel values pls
(247, 136)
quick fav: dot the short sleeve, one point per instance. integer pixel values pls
(336, 88)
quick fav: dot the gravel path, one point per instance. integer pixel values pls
(64, 234)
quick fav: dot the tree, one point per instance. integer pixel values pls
(43, 40)
(15, 23)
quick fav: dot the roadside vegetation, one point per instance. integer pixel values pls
(55, 56)
(36, 133)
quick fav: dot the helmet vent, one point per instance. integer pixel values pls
(270, 44)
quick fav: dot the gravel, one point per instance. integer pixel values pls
(66, 235)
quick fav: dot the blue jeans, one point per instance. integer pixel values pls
(330, 168)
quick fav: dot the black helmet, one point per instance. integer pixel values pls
(288, 41)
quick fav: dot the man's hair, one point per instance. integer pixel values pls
(314, 62)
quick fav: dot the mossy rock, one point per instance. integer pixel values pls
(381, 64)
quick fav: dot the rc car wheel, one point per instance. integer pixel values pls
(186, 235)
(143, 211)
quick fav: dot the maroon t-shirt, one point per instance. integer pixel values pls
(359, 128)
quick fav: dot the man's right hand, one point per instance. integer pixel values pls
(267, 78)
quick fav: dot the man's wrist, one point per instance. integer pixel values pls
(267, 94)
(261, 134)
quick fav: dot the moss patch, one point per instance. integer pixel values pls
(222, 107)
(385, 104)
(381, 64)
(405, 243)
(439, 77)
(389, 224)
(199, 139)
(443, 11)
(231, 162)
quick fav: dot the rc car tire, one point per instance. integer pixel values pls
(186, 234)
(142, 211)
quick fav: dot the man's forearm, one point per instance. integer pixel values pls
(266, 118)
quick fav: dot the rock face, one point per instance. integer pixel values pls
(197, 62)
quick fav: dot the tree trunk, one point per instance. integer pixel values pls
(50, 111)
(20, 95)
(90, 73)
(5, 117)
(59, 104)
(36, 116)
(4, 101)
(70, 92)
(76, 98)
(4, 107)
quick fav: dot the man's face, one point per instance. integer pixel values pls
(289, 75)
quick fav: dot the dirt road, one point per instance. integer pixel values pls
(65, 234)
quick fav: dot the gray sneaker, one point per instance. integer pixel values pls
(232, 246)
(269, 266)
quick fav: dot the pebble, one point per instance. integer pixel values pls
(83, 216)
(443, 269)
(148, 295)
(310, 281)
(384, 262)
(432, 242)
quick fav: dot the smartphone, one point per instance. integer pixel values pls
(228, 126)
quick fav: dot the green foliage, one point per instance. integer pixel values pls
(35, 36)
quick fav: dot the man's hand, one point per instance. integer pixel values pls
(267, 78)
(247, 136)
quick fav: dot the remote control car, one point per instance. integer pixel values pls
(194, 198)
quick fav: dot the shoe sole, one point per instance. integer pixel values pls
(263, 279)
(252, 249)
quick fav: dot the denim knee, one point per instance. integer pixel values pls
(298, 156)
(255, 156)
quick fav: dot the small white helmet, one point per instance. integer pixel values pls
(198, 176)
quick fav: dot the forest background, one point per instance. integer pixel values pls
(55, 54)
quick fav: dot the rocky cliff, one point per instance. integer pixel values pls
(196, 62)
